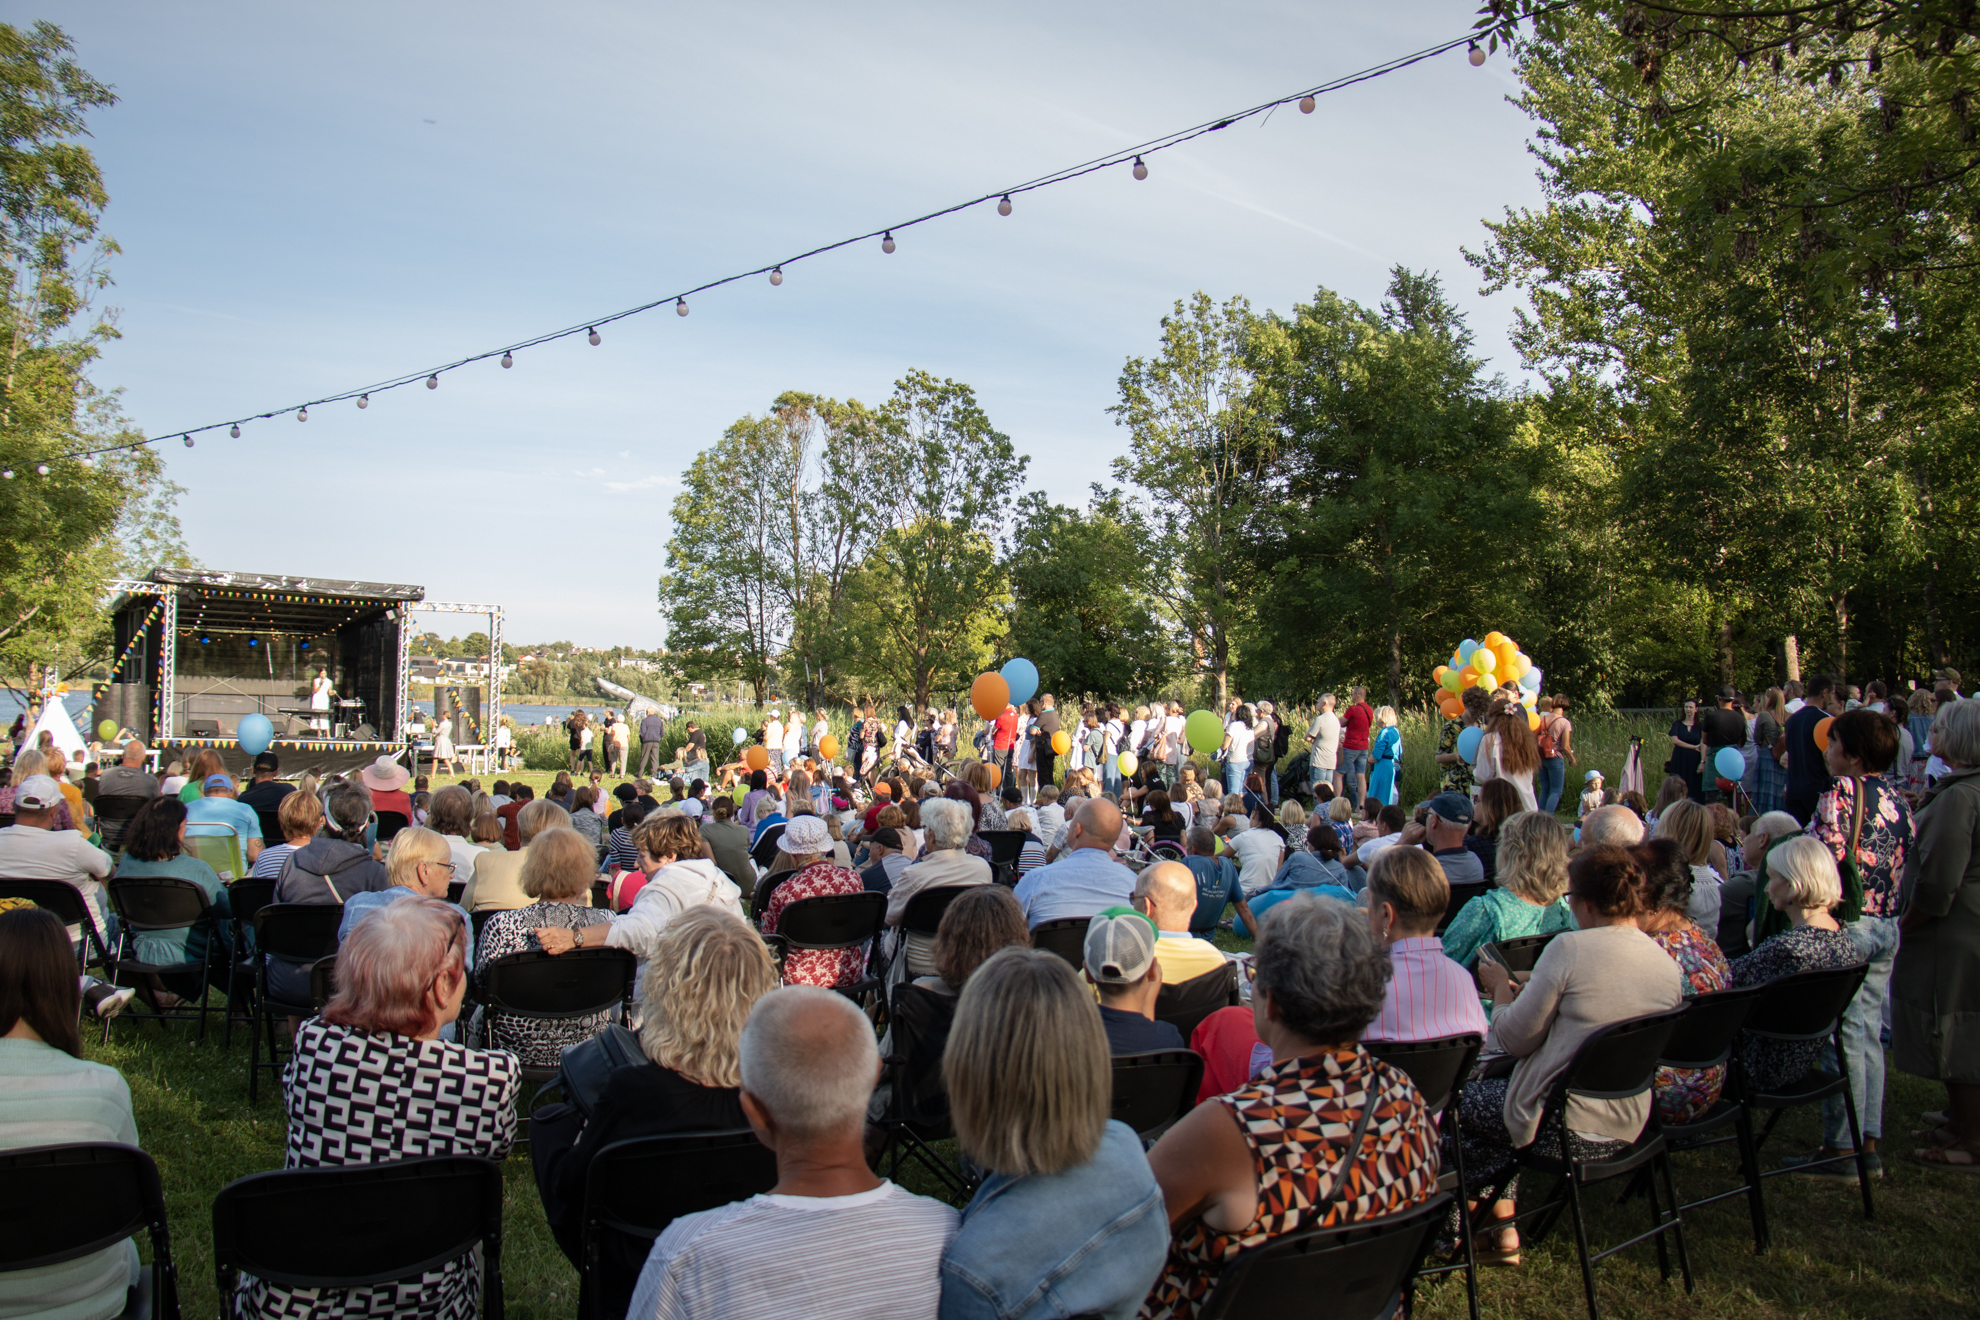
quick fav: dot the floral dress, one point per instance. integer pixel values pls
(826, 967)
(1295, 1117)
(538, 1042)
(1457, 775)
(1684, 1094)
(1881, 845)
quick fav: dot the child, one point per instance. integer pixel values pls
(1594, 796)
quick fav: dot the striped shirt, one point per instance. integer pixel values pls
(1429, 998)
(874, 1254)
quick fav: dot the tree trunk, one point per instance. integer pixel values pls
(1395, 666)
(1726, 658)
(1840, 604)
(1791, 657)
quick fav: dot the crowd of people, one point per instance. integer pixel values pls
(1371, 921)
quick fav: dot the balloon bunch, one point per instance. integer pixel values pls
(1013, 685)
(1497, 662)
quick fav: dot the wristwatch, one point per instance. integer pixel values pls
(577, 937)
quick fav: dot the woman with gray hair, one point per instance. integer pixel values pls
(1935, 983)
(947, 825)
(1233, 1173)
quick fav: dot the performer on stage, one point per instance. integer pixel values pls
(319, 699)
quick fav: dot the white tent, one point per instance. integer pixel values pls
(55, 719)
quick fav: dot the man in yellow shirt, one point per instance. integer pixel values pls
(1166, 893)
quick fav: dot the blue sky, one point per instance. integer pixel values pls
(312, 198)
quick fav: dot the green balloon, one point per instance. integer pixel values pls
(106, 731)
(1204, 731)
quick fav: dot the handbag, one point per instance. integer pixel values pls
(585, 1067)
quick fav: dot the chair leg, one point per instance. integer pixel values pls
(1749, 1165)
(1855, 1128)
(254, 1047)
(1580, 1235)
(1657, 1225)
(1464, 1218)
(1677, 1221)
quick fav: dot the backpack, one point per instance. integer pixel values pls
(1545, 737)
(1281, 739)
(584, 1068)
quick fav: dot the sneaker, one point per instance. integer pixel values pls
(107, 1001)
(1837, 1173)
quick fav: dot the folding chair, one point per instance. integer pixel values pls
(917, 1111)
(152, 904)
(322, 982)
(766, 888)
(1065, 937)
(69, 906)
(1439, 1068)
(1808, 1006)
(271, 825)
(1006, 846)
(635, 1188)
(366, 1224)
(1153, 1090)
(60, 1203)
(297, 933)
(1187, 1003)
(1460, 895)
(1618, 1062)
(390, 823)
(455, 888)
(764, 850)
(1350, 1272)
(113, 816)
(833, 921)
(1520, 953)
(923, 915)
(1705, 1038)
(559, 987)
(225, 853)
(244, 899)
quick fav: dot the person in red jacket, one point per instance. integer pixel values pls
(1004, 737)
(1356, 721)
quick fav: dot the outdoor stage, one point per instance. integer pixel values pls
(198, 650)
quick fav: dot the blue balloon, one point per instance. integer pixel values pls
(255, 733)
(1465, 648)
(1022, 675)
(1530, 680)
(1467, 742)
(1729, 763)
(737, 734)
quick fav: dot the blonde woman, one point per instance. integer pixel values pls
(1293, 817)
(557, 870)
(707, 971)
(1386, 752)
(444, 761)
(1070, 1196)
(1531, 881)
(1802, 883)
(1690, 826)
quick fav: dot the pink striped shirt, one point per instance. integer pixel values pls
(1430, 997)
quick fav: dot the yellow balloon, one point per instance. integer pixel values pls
(828, 747)
(1452, 680)
(1533, 721)
(1484, 661)
(1488, 683)
(1494, 638)
(1061, 743)
(1128, 763)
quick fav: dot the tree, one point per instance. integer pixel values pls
(1079, 611)
(1197, 448)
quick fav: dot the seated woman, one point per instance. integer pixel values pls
(678, 874)
(556, 874)
(49, 1094)
(154, 845)
(300, 816)
(1070, 1220)
(1603, 972)
(1803, 884)
(1234, 1175)
(1317, 870)
(1498, 802)
(1532, 875)
(1683, 1094)
(585, 818)
(706, 972)
(814, 874)
(400, 978)
(1689, 825)
(1162, 819)
(1031, 854)
(975, 926)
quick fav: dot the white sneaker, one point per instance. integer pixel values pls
(106, 1001)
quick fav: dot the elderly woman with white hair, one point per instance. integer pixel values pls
(946, 825)
(1802, 883)
(814, 874)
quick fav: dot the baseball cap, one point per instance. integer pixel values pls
(1728, 693)
(38, 793)
(691, 807)
(218, 781)
(1453, 807)
(267, 761)
(1120, 944)
(888, 837)
(1946, 676)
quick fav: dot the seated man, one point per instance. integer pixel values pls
(1216, 883)
(830, 1239)
(1429, 996)
(1086, 877)
(1389, 824)
(128, 778)
(217, 813)
(1614, 824)
(266, 792)
(521, 795)
(1444, 829)
(33, 849)
(887, 860)
(1121, 964)
(1166, 894)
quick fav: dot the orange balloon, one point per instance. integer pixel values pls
(989, 694)
(1469, 677)
(1822, 732)
(996, 771)
(828, 747)
(1061, 742)
(756, 758)
(1437, 674)
(1533, 721)
(1450, 708)
(1492, 639)
(1508, 654)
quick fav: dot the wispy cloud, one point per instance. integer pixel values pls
(644, 483)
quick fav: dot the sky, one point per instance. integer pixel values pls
(312, 198)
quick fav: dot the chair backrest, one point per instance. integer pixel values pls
(924, 911)
(61, 1202)
(1705, 1036)
(766, 888)
(1346, 1273)
(248, 896)
(299, 932)
(271, 824)
(1187, 1003)
(223, 852)
(1436, 1067)
(764, 851)
(158, 902)
(367, 1224)
(1460, 895)
(58, 896)
(564, 985)
(1153, 1090)
(479, 919)
(1065, 937)
(921, 1023)
(1805, 1006)
(832, 921)
(1519, 954)
(113, 815)
(390, 823)
(322, 981)
(1006, 846)
(1619, 1061)
(601, 894)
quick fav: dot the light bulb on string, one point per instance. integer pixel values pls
(1004, 205)
(188, 439)
(776, 274)
(364, 400)
(236, 431)
(302, 414)
(593, 337)
(6, 474)
(887, 241)
(1140, 169)
(433, 381)
(41, 468)
(1306, 105)
(87, 461)
(1477, 55)
(507, 362)
(680, 307)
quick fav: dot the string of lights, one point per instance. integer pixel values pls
(1134, 157)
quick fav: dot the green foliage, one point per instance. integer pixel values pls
(1076, 611)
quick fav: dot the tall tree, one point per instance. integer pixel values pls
(1079, 610)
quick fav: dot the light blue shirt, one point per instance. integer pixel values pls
(211, 811)
(1079, 884)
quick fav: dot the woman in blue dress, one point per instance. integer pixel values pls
(1386, 751)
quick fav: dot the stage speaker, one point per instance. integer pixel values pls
(295, 726)
(364, 733)
(202, 728)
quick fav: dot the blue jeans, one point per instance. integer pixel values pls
(1354, 767)
(1553, 780)
(1862, 1027)
(1234, 773)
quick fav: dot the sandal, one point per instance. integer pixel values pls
(1498, 1255)
(1937, 1136)
(1961, 1155)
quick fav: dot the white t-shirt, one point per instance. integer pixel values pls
(1172, 737)
(29, 853)
(818, 732)
(773, 736)
(1137, 734)
(773, 1257)
(1242, 739)
(1051, 819)
(1325, 736)
(1370, 849)
(1258, 853)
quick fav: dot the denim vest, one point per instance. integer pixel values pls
(1088, 1241)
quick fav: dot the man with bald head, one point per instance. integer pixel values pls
(1618, 825)
(1166, 894)
(128, 778)
(1086, 877)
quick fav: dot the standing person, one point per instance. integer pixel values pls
(1769, 775)
(1269, 748)
(1556, 740)
(1688, 751)
(1510, 752)
(1323, 744)
(319, 701)
(1003, 737)
(574, 727)
(793, 739)
(1724, 727)
(773, 740)
(618, 742)
(1173, 752)
(444, 761)
(1457, 771)
(820, 727)
(1240, 738)
(652, 732)
(505, 744)
(1807, 770)
(1357, 722)
(1049, 725)
(1110, 756)
(587, 740)
(1024, 753)
(1918, 722)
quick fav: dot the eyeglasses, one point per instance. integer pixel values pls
(449, 865)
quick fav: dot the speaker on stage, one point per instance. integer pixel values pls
(295, 726)
(364, 733)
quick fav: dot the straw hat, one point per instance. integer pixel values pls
(385, 775)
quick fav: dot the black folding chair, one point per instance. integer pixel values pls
(923, 915)
(832, 921)
(479, 920)
(1618, 1062)
(917, 1111)
(1518, 954)
(1460, 895)
(322, 982)
(1438, 1069)
(559, 987)
(1706, 1037)
(66, 902)
(635, 1188)
(1153, 1090)
(766, 888)
(113, 816)
(244, 898)
(297, 933)
(764, 851)
(455, 888)
(359, 1226)
(1006, 846)
(153, 904)
(1187, 1003)
(390, 823)
(1351, 1272)
(60, 1203)
(1808, 1006)
(1065, 937)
